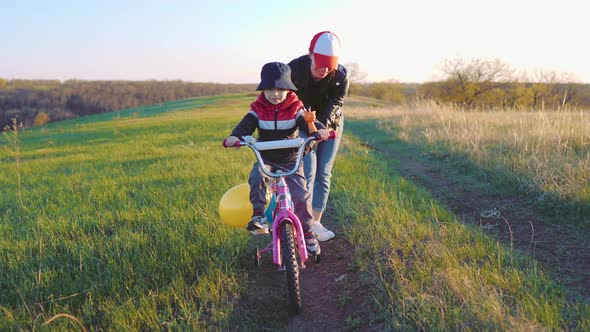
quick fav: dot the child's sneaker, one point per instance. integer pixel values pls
(258, 225)
(312, 244)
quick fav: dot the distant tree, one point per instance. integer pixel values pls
(582, 96)
(540, 84)
(76, 104)
(519, 96)
(471, 80)
(550, 89)
(41, 119)
(568, 86)
(355, 75)
(387, 91)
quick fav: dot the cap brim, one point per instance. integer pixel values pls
(263, 85)
(325, 61)
(285, 85)
(279, 84)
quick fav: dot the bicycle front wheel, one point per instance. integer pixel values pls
(291, 266)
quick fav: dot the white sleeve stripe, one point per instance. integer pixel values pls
(299, 113)
(281, 124)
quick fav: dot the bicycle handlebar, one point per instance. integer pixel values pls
(299, 143)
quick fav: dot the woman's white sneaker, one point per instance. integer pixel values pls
(321, 233)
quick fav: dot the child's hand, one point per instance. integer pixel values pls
(230, 141)
(309, 116)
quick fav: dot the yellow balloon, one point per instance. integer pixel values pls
(235, 208)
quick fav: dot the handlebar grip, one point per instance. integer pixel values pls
(237, 145)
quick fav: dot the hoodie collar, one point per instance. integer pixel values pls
(291, 104)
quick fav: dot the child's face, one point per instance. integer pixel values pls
(275, 96)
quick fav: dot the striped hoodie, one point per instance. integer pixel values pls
(275, 122)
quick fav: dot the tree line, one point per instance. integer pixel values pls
(36, 102)
(480, 84)
(521, 96)
(476, 84)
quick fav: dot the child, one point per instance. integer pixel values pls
(278, 114)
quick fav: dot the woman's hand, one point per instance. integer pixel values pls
(309, 116)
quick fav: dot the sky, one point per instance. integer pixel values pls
(229, 41)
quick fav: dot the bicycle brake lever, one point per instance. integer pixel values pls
(249, 139)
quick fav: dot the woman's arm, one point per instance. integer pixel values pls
(336, 93)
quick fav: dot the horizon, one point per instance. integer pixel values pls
(226, 42)
(244, 83)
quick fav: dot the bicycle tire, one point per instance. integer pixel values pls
(291, 266)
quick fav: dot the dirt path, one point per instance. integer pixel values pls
(333, 291)
(510, 218)
(334, 294)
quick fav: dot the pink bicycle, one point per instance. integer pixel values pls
(288, 243)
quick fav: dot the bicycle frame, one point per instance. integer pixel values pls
(284, 213)
(284, 206)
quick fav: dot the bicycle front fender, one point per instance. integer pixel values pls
(281, 217)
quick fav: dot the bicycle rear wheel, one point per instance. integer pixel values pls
(291, 266)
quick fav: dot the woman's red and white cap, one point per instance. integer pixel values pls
(325, 48)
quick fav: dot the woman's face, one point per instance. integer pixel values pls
(318, 73)
(275, 96)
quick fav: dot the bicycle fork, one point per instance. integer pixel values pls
(284, 213)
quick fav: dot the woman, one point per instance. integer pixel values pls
(321, 84)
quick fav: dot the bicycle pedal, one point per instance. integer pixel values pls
(260, 231)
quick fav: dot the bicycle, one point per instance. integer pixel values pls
(288, 242)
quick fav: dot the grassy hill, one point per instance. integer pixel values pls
(115, 219)
(110, 222)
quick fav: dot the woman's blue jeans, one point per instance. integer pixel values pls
(318, 169)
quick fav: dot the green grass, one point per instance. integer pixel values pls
(118, 227)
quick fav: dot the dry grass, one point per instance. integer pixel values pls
(432, 271)
(548, 152)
